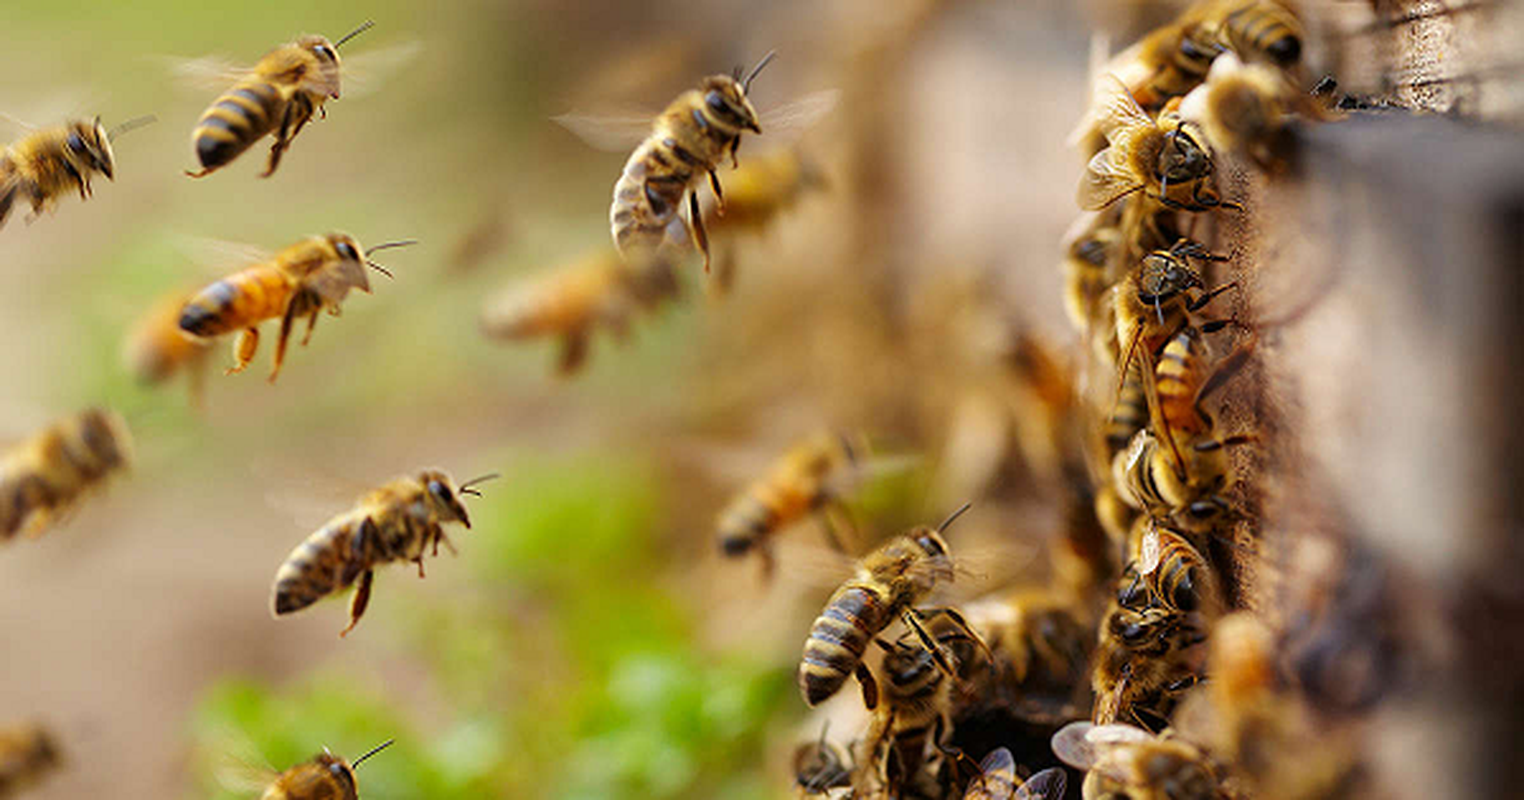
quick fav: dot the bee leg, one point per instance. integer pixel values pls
(1201, 302)
(200, 173)
(311, 323)
(735, 145)
(573, 353)
(279, 146)
(965, 630)
(195, 380)
(696, 222)
(868, 684)
(419, 562)
(714, 183)
(358, 603)
(286, 322)
(244, 349)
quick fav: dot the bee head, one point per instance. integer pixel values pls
(1164, 276)
(346, 246)
(1182, 159)
(326, 81)
(725, 100)
(443, 497)
(89, 147)
(339, 769)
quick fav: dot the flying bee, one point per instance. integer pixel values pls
(1167, 160)
(1242, 109)
(325, 777)
(279, 95)
(46, 164)
(1170, 572)
(309, 277)
(27, 754)
(821, 766)
(1144, 661)
(43, 478)
(761, 191)
(808, 479)
(157, 348)
(1124, 761)
(395, 522)
(997, 780)
(602, 289)
(890, 581)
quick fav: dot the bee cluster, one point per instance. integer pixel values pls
(1136, 669)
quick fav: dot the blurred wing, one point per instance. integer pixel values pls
(1050, 784)
(19, 124)
(788, 121)
(218, 257)
(1107, 179)
(1116, 109)
(808, 565)
(208, 73)
(613, 133)
(364, 73)
(310, 495)
(979, 569)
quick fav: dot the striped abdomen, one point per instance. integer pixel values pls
(764, 509)
(917, 696)
(649, 193)
(240, 300)
(853, 616)
(1131, 411)
(1134, 471)
(1181, 371)
(1176, 580)
(237, 120)
(1260, 26)
(328, 561)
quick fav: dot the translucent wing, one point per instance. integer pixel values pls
(1072, 745)
(217, 257)
(1117, 734)
(1050, 784)
(997, 773)
(1107, 179)
(613, 133)
(1149, 551)
(209, 73)
(365, 72)
(788, 121)
(1116, 110)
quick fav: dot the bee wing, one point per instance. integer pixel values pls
(1050, 784)
(362, 74)
(217, 257)
(1116, 110)
(1107, 179)
(999, 760)
(614, 133)
(1072, 745)
(1149, 551)
(786, 122)
(208, 73)
(309, 497)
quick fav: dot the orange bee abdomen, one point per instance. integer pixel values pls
(854, 615)
(765, 508)
(237, 120)
(1179, 375)
(238, 301)
(327, 562)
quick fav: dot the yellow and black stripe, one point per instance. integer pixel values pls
(238, 119)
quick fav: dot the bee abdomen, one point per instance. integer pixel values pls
(318, 567)
(236, 121)
(837, 640)
(744, 523)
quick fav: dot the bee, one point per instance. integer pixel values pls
(602, 289)
(761, 190)
(1167, 160)
(1038, 637)
(44, 477)
(890, 581)
(157, 348)
(45, 164)
(997, 781)
(1258, 30)
(1169, 572)
(1242, 109)
(806, 480)
(689, 138)
(279, 95)
(1128, 762)
(325, 777)
(395, 522)
(309, 277)
(1144, 661)
(1088, 251)
(821, 766)
(27, 754)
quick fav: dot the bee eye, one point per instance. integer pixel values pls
(716, 101)
(439, 490)
(76, 143)
(347, 251)
(324, 51)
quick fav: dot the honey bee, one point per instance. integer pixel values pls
(1128, 762)
(761, 190)
(309, 277)
(821, 766)
(1166, 160)
(890, 581)
(1039, 640)
(690, 137)
(279, 95)
(1258, 30)
(42, 478)
(1088, 250)
(157, 348)
(913, 713)
(602, 289)
(27, 754)
(806, 480)
(325, 777)
(46, 164)
(1242, 109)
(1169, 572)
(395, 522)
(997, 781)
(1144, 661)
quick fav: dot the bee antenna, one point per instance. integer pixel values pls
(370, 23)
(374, 750)
(746, 86)
(954, 516)
(131, 124)
(398, 243)
(377, 267)
(482, 479)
